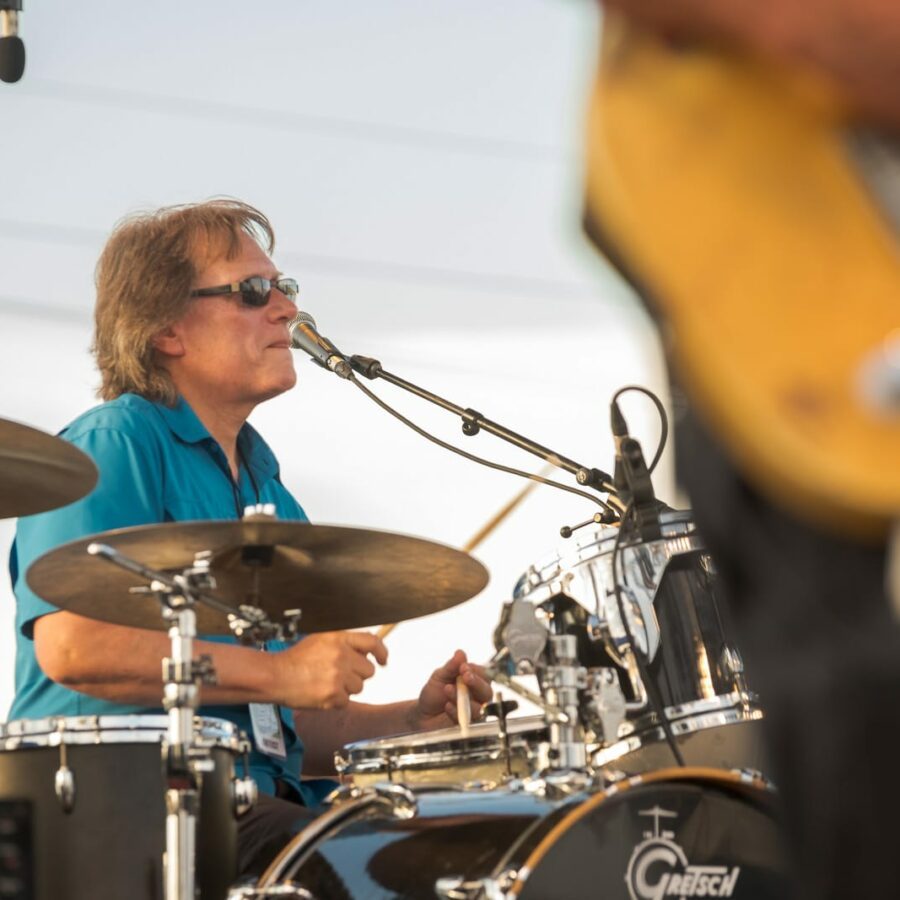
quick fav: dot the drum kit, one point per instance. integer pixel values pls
(641, 776)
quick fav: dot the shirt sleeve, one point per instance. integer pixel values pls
(128, 492)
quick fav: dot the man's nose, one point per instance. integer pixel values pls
(281, 306)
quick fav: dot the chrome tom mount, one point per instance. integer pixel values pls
(581, 704)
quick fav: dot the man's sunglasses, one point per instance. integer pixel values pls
(254, 291)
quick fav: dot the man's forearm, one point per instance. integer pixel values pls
(124, 665)
(118, 663)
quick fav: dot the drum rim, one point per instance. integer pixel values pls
(452, 734)
(362, 757)
(129, 728)
(602, 757)
(692, 709)
(677, 524)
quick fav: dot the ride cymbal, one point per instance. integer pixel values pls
(339, 577)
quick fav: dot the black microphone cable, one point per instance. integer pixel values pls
(663, 418)
(609, 511)
(654, 695)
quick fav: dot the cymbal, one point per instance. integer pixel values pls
(340, 577)
(40, 472)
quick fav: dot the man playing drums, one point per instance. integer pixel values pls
(191, 334)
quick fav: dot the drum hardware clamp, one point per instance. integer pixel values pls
(607, 703)
(500, 709)
(456, 887)
(283, 891)
(64, 778)
(521, 636)
(253, 627)
(561, 684)
(551, 712)
(244, 790)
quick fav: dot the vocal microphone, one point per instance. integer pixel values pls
(632, 478)
(304, 336)
(12, 50)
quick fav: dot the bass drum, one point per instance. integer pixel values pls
(676, 833)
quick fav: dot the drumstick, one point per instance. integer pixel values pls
(463, 710)
(486, 530)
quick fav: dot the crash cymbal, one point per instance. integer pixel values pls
(340, 577)
(39, 471)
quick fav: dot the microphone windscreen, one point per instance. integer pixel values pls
(303, 318)
(12, 58)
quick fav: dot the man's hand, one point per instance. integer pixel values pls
(436, 706)
(323, 670)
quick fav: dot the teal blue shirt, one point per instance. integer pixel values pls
(156, 464)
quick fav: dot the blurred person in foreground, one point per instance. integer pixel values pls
(743, 171)
(191, 334)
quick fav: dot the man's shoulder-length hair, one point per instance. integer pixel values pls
(144, 278)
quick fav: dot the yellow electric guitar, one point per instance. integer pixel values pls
(734, 196)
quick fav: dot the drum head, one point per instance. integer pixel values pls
(677, 833)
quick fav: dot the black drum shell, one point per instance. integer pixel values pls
(578, 847)
(110, 846)
(692, 661)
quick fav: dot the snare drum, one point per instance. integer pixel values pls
(444, 756)
(99, 832)
(675, 833)
(674, 615)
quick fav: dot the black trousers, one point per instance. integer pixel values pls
(266, 829)
(823, 650)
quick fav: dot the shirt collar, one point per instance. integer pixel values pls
(183, 422)
(187, 427)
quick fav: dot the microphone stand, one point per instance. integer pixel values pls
(473, 422)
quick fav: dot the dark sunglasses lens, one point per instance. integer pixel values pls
(288, 287)
(255, 291)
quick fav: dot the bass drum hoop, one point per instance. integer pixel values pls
(748, 785)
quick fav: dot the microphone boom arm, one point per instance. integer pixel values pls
(473, 422)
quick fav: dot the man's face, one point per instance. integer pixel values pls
(227, 352)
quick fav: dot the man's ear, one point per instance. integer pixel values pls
(168, 342)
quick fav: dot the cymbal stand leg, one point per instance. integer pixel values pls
(185, 758)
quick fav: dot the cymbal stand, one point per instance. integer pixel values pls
(185, 757)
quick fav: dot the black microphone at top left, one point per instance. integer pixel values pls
(304, 336)
(12, 50)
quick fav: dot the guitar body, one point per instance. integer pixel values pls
(727, 191)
